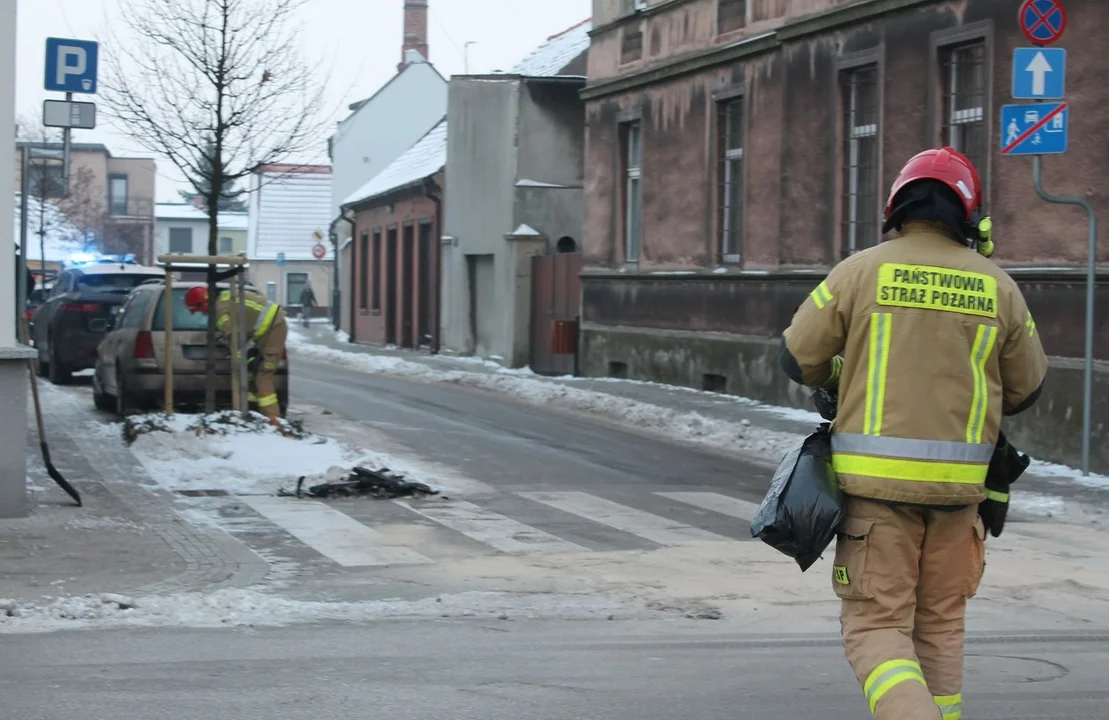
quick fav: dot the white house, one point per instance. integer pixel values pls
(383, 126)
(182, 229)
(290, 210)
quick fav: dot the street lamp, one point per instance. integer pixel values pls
(466, 56)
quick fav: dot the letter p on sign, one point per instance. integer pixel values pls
(71, 65)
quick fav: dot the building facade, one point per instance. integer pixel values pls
(738, 149)
(289, 214)
(390, 121)
(110, 199)
(514, 169)
(182, 229)
(394, 262)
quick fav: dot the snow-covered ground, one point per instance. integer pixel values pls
(233, 607)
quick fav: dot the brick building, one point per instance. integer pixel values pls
(394, 262)
(737, 149)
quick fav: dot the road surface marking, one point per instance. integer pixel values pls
(329, 532)
(636, 522)
(715, 502)
(490, 528)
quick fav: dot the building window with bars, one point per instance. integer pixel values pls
(860, 158)
(964, 101)
(730, 144)
(632, 152)
(730, 15)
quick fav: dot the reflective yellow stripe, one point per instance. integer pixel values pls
(876, 372)
(837, 370)
(997, 496)
(910, 470)
(222, 320)
(951, 706)
(979, 355)
(1030, 325)
(269, 366)
(821, 295)
(889, 675)
(251, 397)
(911, 448)
(267, 400)
(262, 326)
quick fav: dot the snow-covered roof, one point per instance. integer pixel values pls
(425, 158)
(228, 220)
(549, 59)
(62, 238)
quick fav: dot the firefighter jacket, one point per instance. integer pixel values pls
(260, 314)
(930, 344)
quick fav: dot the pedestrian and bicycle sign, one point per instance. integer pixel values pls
(1035, 129)
(1042, 21)
(71, 65)
(1039, 73)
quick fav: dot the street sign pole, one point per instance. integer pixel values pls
(21, 270)
(1091, 279)
(66, 135)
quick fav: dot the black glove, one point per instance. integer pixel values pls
(826, 401)
(1006, 465)
(253, 357)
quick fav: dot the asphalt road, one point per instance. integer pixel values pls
(492, 671)
(506, 443)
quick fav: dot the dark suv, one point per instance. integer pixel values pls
(79, 311)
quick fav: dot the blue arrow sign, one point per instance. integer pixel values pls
(71, 65)
(1037, 129)
(1039, 73)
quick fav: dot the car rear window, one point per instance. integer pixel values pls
(107, 282)
(182, 318)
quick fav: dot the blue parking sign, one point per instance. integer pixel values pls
(71, 65)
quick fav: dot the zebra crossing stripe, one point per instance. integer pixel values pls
(492, 529)
(715, 502)
(331, 533)
(655, 528)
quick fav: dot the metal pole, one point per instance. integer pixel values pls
(21, 265)
(167, 401)
(65, 152)
(1091, 280)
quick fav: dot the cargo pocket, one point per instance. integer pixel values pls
(849, 579)
(976, 566)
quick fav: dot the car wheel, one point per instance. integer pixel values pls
(43, 365)
(124, 401)
(101, 399)
(59, 374)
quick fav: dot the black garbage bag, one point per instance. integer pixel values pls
(804, 505)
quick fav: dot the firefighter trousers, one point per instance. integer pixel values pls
(904, 574)
(271, 346)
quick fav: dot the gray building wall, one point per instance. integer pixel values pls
(514, 157)
(481, 168)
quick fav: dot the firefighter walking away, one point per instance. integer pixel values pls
(922, 344)
(266, 328)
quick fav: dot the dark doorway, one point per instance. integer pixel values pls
(407, 296)
(390, 304)
(425, 301)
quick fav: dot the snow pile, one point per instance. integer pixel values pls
(227, 452)
(673, 424)
(231, 607)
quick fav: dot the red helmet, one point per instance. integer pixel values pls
(196, 299)
(947, 165)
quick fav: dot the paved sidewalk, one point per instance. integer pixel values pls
(127, 539)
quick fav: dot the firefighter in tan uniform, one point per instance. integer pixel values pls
(266, 328)
(925, 344)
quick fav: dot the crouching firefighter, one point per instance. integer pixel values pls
(922, 344)
(267, 329)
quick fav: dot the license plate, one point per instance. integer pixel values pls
(98, 325)
(200, 352)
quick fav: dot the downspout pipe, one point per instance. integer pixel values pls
(336, 295)
(434, 193)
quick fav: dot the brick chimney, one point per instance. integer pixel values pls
(415, 31)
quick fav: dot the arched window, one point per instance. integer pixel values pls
(566, 244)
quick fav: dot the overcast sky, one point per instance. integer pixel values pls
(359, 39)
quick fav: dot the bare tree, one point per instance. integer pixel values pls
(220, 89)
